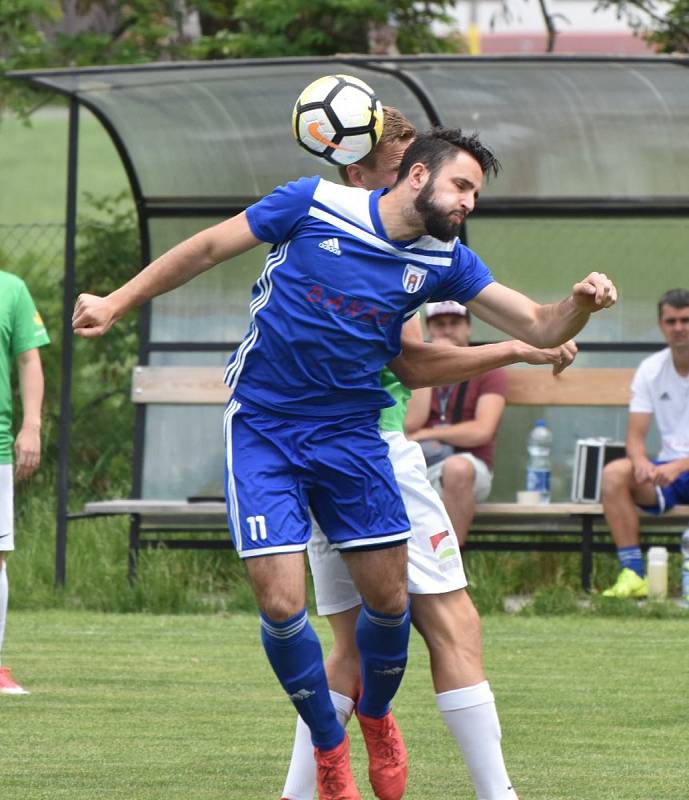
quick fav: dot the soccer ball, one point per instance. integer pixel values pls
(338, 118)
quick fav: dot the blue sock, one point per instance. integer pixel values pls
(630, 557)
(382, 640)
(296, 657)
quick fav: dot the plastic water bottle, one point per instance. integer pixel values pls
(656, 572)
(538, 463)
(685, 568)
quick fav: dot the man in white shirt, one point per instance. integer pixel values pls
(660, 389)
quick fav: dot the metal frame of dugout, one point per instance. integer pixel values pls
(400, 69)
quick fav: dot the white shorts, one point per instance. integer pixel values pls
(435, 563)
(6, 508)
(483, 478)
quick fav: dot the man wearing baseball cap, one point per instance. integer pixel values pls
(457, 425)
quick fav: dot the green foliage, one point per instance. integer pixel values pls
(666, 27)
(168, 582)
(555, 601)
(102, 416)
(108, 255)
(268, 28)
(151, 30)
(23, 45)
(495, 576)
(144, 30)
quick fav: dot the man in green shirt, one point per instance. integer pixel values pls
(21, 334)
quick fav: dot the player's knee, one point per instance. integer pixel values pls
(617, 476)
(388, 596)
(458, 473)
(280, 608)
(468, 615)
(470, 623)
(393, 603)
(452, 630)
(381, 578)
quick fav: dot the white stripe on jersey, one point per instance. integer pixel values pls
(264, 282)
(375, 241)
(353, 204)
(348, 201)
(232, 407)
(431, 243)
(265, 285)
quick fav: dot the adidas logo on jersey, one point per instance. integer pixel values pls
(664, 396)
(332, 246)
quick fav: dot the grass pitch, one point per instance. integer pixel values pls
(149, 707)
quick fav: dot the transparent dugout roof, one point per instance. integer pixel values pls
(562, 127)
(595, 155)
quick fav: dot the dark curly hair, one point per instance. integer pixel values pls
(438, 145)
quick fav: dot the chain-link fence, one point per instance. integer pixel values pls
(33, 252)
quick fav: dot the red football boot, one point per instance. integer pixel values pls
(387, 756)
(334, 778)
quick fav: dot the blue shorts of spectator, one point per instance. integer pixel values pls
(677, 493)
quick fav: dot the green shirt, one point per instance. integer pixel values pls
(392, 419)
(21, 329)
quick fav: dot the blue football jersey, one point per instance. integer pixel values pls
(328, 308)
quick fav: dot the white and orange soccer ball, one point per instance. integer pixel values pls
(338, 118)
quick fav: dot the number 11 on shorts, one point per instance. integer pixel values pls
(258, 527)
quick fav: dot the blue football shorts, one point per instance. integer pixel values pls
(276, 467)
(677, 493)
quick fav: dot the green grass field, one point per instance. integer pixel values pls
(33, 165)
(161, 707)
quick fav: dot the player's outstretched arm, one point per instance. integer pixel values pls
(94, 315)
(544, 325)
(435, 364)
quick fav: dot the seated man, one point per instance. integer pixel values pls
(465, 417)
(660, 389)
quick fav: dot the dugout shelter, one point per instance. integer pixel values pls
(595, 176)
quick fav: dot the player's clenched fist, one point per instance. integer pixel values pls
(596, 291)
(93, 316)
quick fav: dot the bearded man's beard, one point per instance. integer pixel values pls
(437, 223)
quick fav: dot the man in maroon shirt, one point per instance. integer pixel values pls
(463, 417)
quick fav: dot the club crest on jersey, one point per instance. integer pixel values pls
(413, 278)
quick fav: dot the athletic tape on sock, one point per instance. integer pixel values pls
(467, 697)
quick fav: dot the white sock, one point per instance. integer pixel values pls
(4, 595)
(300, 783)
(471, 716)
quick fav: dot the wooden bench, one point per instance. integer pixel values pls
(560, 527)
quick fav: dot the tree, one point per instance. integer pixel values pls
(666, 28)
(133, 32)
(664, 25)
(549, 20)
(152, 30)
(266, 28)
